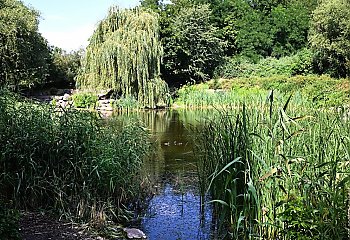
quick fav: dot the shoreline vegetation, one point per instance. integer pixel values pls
(319, 91)
(274, 155)
(284, 131)
(276, 170)
(69, 163)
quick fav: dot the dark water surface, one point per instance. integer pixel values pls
(174, 212)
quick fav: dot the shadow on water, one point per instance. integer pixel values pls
(174, 212)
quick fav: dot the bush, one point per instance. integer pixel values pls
(329, 37)
(322, 91)
(299, 63)
(128, 102)
(85, 100)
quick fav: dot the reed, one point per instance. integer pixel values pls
(277, 170)
(69, 162)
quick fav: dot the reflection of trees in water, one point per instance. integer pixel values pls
(172, 161)
(195, 117)
(171, 170)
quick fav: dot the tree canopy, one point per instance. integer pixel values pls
(23, 51)
(124, 54)
(254, 29)
(192, 50)
(330, 37)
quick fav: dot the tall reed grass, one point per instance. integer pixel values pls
(70, 162)
(201, 96)
(277, 170)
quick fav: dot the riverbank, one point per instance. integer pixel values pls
(72, 164)
(38, 226)
(313, 90)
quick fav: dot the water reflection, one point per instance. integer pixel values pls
(174, 212)
(172, 215)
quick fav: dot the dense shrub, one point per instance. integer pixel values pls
(85, 100)
(126, 103)
(329, 37)
(299, 63)
(320, 90)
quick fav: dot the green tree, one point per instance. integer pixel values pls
(23, 51)
(253, 39)
(260, 28)
(289, 26)
(64, 66)
(272, 28)
(154, 5)
(329, 37)
(192, 50)
(124, 54)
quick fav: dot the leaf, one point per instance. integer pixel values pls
(343, 182)
(282, 188)
(286, 104)
(295, 133)
(269, 174)
(296, 160)
(301, 118)
(219, 201)
(229, 164)
(240, 219)
(252, 189)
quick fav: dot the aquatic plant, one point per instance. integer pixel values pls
(69, 161)
(319, 91)
(277, 171)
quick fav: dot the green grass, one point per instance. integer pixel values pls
(277, 170)
(69, 162)
(203, 96)
(9, 222)
(319, 91)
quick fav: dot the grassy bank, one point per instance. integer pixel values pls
(69, 162)
(277, 171)
(319, 91)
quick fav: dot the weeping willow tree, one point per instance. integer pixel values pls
(124, 54)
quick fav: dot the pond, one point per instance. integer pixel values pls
(174, 212)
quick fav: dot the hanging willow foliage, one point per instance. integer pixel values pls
(124, 54)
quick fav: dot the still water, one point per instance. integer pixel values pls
(174, 211)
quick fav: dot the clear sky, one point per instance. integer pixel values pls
(69, 23)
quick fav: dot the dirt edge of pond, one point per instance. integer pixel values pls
(36, 226)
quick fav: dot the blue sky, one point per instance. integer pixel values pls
(69, 23)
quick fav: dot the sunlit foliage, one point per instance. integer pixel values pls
(330, 37)
(23, 51)
(124, 54)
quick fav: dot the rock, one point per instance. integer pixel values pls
(105, 94)
(66, 97)
(105, 108)
(134, 233)
(104, 101)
